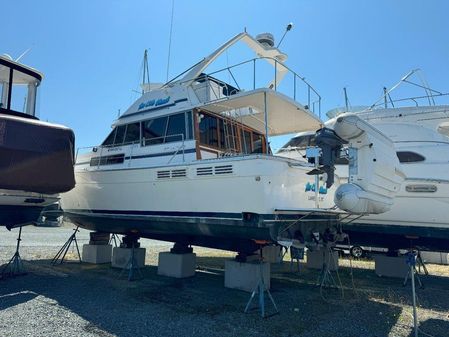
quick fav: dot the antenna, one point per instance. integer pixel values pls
(346, 99)
(169, 39)
(23, 54)
(146, 71)
(287, 29)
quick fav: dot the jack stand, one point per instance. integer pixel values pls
(132, 266)
(414, 258)
(65, 248)
(114, 238)
(325, 279)
(15, 265)
(421, 263)
(261, 289)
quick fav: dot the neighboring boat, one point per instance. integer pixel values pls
(190, 162)
(36, 158)
(419, 216)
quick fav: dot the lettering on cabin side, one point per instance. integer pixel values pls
(154, 102)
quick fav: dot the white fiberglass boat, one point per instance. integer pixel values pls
(190, 162)
(419, 216)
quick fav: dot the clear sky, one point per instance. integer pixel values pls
(91, 51)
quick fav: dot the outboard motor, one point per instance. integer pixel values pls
(330, 144)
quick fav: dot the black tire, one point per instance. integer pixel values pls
(357, 252)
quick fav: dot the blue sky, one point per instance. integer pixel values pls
(91, 51)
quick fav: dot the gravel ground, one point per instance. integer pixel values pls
(89, 300)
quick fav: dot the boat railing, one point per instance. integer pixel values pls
(253, 74)
(101, 148)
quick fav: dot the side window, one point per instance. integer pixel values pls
(258, 141)
(208, 130)
(132, 133)
(110, 139)
(247, 142)
(409, 157)
(120, 135)
(176, 130)
(153, 131)
(189, 124)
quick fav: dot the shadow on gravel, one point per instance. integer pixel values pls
(433, 327)
(201, 306)
(13, 299)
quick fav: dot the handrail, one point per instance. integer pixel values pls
(141, 142)
(310, 90)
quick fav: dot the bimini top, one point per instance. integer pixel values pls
(284, 115)
(21, 75)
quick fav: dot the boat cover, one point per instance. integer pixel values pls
(35, 156)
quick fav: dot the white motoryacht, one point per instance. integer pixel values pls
(190, 162)
(36, 158)
(419, 216)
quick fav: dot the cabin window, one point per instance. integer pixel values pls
(153, 131)
(246, 143)
(301, 142)
(176, 130)
(107, 160)
(120, 134)
(208, 130)
(132, 133)
(409, 157)
(110, 139)
(189, 124)
(258, 141)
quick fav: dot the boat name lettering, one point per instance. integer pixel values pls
(154, 102)
(311, 188)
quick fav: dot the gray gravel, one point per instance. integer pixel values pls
(86, 300)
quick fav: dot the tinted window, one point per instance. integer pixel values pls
(120, 135)
(208, 130)
(176, 130)
(189, 125)
(258, 141)
(409, 157)
(245, 141)
(132, 133)
(110, 139)
(153, 131)
(107, 160)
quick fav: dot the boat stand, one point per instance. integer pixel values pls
(132, 267)
(60, 256)
(114, 238)
(261, 289)
(325, 279)
(15, 265)
(413, 259)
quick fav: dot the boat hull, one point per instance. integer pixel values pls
(228, 209)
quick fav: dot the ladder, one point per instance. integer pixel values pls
(230, 135)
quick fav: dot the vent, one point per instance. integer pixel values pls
(224, 169)
(178, 173)
(204, 171)
(163, 174)
(167, 174)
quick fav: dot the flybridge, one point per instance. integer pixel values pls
(154, 102)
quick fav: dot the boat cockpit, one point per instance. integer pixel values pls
(18, 87)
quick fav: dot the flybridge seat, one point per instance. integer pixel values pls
(35, 156)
